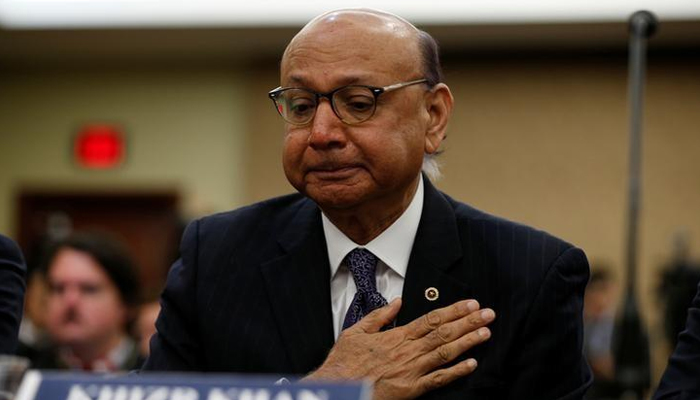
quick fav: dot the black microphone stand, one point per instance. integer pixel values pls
(631, 343)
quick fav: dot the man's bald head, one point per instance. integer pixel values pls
(379, 27)
(340, 63)
(366, 15)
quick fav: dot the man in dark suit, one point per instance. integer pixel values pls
(281, 287)
(681, 380)
(12, 271)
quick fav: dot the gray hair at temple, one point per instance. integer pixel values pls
(432, 71)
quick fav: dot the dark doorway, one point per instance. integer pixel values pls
(146, 223)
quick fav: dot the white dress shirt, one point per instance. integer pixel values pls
(392, 247)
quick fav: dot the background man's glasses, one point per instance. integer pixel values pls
(352, 104)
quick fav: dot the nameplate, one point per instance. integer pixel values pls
(45, 385)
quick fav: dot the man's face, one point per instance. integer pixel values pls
(600, 298)
(375, 163)
(84, 305)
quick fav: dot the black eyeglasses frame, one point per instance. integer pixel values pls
(274, 94)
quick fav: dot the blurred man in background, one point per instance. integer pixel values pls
(599, 320)
(12, 272)
(678, 286)
(681, 379)
(93, 290)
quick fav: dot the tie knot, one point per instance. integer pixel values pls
(363, 265)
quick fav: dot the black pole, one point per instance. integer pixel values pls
(631, 343)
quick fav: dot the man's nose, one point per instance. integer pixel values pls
(71, 295)
(327, 130)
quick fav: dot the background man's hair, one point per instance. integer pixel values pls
(109, 254)
(600, 275)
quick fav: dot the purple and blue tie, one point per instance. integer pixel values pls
(363, 265)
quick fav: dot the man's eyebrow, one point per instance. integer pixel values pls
(300, 81)
(297, 80)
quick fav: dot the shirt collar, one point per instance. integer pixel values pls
(115, 360)
(392, 247)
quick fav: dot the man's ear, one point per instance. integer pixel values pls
(438, 103)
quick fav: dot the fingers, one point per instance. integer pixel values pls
(449, 351)
(442, 377)
(429, 322)
(448, 341)
(451, 331)
(379, 318)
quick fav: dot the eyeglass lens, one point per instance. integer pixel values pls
(352, 104)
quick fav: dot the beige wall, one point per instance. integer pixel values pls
(184, 130)
(539, 141)
(546, 144)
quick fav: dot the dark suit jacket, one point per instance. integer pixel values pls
(251, 294)
(12, 274)
(681, 380)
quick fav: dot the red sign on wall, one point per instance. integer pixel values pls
(99, 146)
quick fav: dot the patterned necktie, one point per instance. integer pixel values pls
(363, 264)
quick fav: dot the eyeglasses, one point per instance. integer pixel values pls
(352, 104)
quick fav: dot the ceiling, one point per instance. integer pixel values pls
(226, 45)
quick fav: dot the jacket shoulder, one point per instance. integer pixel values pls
(489, 225)
(251, 231)
(280, 209)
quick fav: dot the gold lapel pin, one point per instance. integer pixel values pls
(431, 294)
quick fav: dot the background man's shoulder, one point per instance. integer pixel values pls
(12, 272)
(11, 252)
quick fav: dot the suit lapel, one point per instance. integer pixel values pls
(298, 281)
(298, 284)
(435, 250)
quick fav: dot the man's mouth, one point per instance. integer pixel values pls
(333, 172)
(71, 317)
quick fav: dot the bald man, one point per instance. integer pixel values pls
(369, 272)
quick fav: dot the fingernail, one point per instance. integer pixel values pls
(472, 305)
(483, 333)
(471, 363)
(487, 315)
